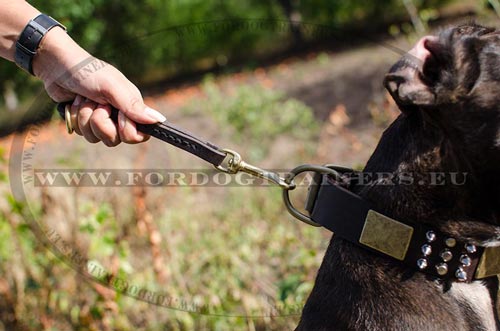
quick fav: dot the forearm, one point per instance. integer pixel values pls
(14, 15)
(57, 52)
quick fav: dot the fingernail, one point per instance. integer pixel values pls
(155, 115)
(121, 120)
(77, 101)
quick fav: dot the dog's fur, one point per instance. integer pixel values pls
(450, 122)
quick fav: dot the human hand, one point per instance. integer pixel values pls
(71, 73)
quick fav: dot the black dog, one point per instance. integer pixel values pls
(448, 89)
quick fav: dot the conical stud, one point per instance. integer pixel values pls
(422, 264)
(431, 236)
(465, 260)
(470, 248)
(426, 250)
(461, 274)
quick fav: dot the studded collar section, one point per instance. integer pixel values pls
(419, 247)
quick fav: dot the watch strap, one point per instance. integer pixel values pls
(29, 40)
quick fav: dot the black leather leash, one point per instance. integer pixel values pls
(347, 215)
(170, 134)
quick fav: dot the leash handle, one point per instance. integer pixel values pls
(166, 132)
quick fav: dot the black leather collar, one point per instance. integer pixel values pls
(422, 248)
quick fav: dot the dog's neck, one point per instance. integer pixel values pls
(359, 276)
(463, 191)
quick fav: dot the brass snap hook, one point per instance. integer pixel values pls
(236, 164)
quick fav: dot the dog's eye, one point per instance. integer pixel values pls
(463, 30)
(475, 30)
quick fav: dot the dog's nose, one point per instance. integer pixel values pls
(422, 49)
(405, 80)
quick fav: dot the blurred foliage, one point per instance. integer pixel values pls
(255, 114)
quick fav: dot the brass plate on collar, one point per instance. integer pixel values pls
(386, 235)
(489, 265)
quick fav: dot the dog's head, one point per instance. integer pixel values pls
(453, 81)
(460, 65)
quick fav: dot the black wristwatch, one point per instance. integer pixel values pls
(30, 39)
